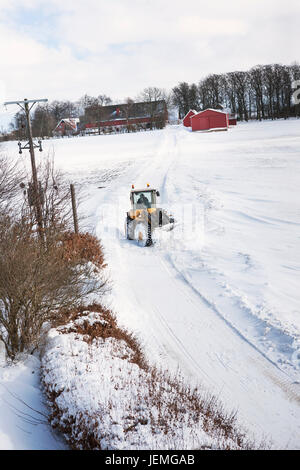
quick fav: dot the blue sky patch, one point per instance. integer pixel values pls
(39, 23)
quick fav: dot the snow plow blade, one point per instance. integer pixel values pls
(167, 227)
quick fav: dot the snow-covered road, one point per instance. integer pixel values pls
(167, 297)
(219, 296)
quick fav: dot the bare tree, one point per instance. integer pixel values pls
(63, 109)
(11, 176)
(238, 85)
(55, 197)
(185, 97)
(156, 99)
(57, 211)
(18, 126)
(103, 100)
(37, 281)
(294, 75)
(43, 121)
(257, 84)
(265, 91)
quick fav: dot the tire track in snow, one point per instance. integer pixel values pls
(176, 338)
(291, 389)
(187, 327)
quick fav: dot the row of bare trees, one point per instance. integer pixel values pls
(263, 92)
(44, 119)
(40, 278)
(88, 108)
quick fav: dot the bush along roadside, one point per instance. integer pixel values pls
(44, 268)
(104, 395)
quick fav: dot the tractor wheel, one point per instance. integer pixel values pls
(129, 228)
(142, 235)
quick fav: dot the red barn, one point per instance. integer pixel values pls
(232, 119)
(187, 118)
(209, 119)
(67, 126)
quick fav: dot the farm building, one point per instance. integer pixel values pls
(124, 117)
(209, 119)
(67, 126)
(187, 118)
(232, 119)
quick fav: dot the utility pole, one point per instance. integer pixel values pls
(24, 105)
(74, 208)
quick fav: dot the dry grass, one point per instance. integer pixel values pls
(163, 404)
(83, 248)
(100, 329)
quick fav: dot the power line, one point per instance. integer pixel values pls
(30, 145)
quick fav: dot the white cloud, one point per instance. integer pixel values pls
(18, 49)
(118, 47)
(195, 26)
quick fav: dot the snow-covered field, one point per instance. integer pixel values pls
(219, 296)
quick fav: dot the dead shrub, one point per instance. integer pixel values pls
(55, 199)
(162, 403)
(37, 281)
(83, 248)
(101, 329)
(40, 278)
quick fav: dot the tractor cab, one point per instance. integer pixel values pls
(143, 198)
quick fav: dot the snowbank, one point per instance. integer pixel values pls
(23, 413)
(104, 396)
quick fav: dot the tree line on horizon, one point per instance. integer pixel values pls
(87, 108)
(263, 92)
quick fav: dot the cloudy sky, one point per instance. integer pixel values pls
(62, 49)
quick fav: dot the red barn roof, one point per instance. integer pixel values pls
(70, 123)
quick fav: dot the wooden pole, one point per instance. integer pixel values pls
(74, 208)
(24, 105)
(37, 196)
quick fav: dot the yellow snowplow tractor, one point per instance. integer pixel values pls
(144, 217)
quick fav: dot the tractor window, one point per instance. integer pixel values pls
(142, 199)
